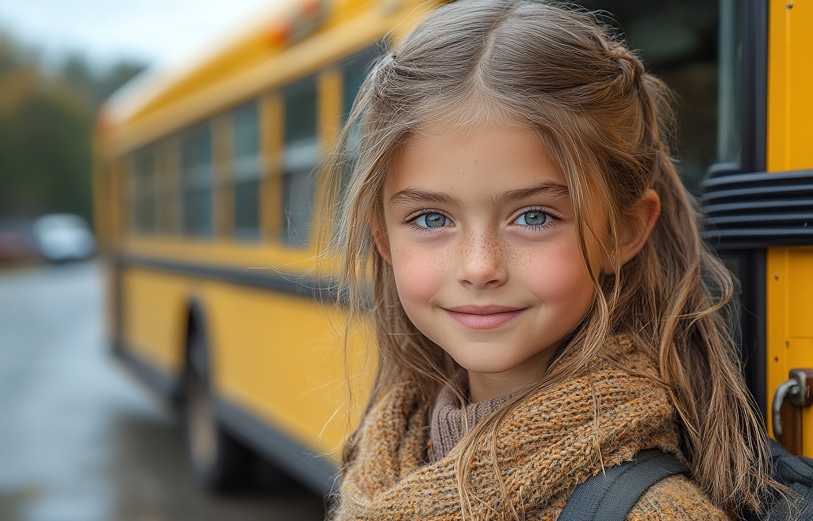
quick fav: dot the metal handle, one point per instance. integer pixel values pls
(798, 389)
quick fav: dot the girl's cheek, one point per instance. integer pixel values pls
(417, 273)
(554, 273)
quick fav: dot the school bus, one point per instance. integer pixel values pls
(206, 210)
(207, 213)
(759, 204)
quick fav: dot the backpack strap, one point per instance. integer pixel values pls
(795, 472)
(609, 496)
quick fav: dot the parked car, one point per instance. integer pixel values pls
(63, 237)
(16, 241)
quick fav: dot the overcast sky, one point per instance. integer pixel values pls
(151, 31)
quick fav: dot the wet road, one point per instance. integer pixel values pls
(79, 439)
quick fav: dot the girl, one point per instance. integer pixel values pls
(543, 304)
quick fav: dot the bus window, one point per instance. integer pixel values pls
(300, 154)
(166, 152)
(678, 40)
(196, 181)
(729, 127)
(144, 203)
(246, 170)
(355, 70)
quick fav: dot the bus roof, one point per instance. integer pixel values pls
(290, 39)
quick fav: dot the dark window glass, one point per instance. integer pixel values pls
(196, 181)
(300, 111)
(144, 194)
(355, 70)
(678, 41)
(246, 170)
(168, 210)
(729, 145)
(246, 130)
(299, 159)
(247, 208)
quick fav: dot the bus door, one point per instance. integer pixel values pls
(758, 202)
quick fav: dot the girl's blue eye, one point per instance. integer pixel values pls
(431, 220)
(533, 218)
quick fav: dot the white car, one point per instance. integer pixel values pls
(63, 237)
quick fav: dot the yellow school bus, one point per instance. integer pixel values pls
(206, 208)
(759, 204)
(207, 212)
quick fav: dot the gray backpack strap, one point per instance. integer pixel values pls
(609, 496)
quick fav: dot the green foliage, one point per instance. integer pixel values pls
(46, 120)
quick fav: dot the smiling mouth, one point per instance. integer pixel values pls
(483, 317)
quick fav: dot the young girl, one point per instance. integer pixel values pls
(543, 304)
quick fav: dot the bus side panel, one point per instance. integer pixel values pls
(790, 82)
(790, 316)
(280, 357)
(154, 308)
(789, 323)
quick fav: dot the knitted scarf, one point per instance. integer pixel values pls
(546, 446)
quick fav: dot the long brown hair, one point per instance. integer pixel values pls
(605, 122)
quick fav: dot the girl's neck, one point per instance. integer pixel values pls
(490, 386)
(451, 420)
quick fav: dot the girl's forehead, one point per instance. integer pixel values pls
(501, 155)
(441, 137)
(467, 129)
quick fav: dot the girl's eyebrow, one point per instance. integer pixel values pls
(409, 196)
(548, 188)
(413, 195)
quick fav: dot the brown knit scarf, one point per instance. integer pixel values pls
(546, 446)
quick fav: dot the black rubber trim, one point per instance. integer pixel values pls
(314, 471)
(754, 100)
(752, 323)
(269, 279)
(760, 210)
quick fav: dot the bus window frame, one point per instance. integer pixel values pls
(751, 108)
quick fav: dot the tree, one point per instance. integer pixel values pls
(46, 121)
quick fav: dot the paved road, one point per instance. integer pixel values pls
(79, 439)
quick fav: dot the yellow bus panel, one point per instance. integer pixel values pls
(789, 270)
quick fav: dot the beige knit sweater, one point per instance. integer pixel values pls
(547, 445)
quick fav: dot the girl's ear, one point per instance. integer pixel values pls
(640, 224)
(382, 241)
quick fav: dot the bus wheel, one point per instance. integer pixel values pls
(220, 463)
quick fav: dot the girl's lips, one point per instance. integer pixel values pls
(483, 317)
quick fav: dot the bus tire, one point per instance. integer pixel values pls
(219, 462)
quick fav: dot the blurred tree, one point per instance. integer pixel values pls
(46, 119)
(119, 74)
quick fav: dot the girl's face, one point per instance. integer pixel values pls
(481, 235)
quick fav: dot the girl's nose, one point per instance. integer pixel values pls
(481, 264)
